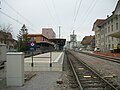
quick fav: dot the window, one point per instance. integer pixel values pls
(109, 46)
(112, 38)
(116, 18)
(116, 26)
(111, 20)
(33, 38)
(108, 22)
(106, 39)
(106, 46)
(111, 27)
(108, 29)
(105, 30)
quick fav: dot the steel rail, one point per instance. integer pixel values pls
(100, 77)
(75, 74)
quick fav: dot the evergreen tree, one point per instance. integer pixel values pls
(23, 39)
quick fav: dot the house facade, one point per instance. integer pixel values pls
(7, 39)
(37, 37)
(107, 31)
(88, 43)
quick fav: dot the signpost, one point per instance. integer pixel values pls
(50, 59)
(32, 49)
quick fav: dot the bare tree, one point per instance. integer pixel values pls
(5, 29)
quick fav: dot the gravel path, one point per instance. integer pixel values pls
(66, 78)
(106, 68)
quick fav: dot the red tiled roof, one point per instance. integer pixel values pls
(99, 21)
(87, 40)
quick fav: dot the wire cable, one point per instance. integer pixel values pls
(76, 13)
(87, 13)
(56, 12)
(49, 11)
(11, 17)
(19, 14)
(16, 20)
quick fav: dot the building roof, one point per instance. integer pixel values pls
(117, 6)
(99, 21)
(36, 35)
(87, 40)
(58, 41)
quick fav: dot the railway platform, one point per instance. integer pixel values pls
(42, 62)
(44, 77)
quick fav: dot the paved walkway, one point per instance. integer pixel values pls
(42, 81)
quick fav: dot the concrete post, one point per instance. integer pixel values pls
(2, 52)
(15, 68)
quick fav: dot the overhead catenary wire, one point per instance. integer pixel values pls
(11, 17)
(90, 10)
(56, 12)
(77, 11)
(15, 20)
(49, 12)
(74, 12)
(19, 14)
(87, 13)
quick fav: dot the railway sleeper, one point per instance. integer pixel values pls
(93, 85)
(89, 79)
(75, 85)
(100, 88)
(89, 82)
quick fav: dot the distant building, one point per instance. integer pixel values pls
(73, 41)
(42, 42)
(88, 42)
(107, 31)
(49, 33)
(37, 37)
(73, 44)
(96, 28)
(59, 43)
(7, 39)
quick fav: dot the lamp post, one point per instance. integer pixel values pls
(50, 59)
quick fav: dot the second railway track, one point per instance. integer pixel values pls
(86, 77)
(112, 59)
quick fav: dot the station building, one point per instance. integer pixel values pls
(42, 42)
(59, 43)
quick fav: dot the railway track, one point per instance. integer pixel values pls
(112, 59)
(86, 77)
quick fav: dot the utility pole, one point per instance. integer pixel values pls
(0, 5)
(73, 39)
(59, 31)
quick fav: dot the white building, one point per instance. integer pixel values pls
(107, 31)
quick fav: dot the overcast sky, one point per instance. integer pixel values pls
(78, 15)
